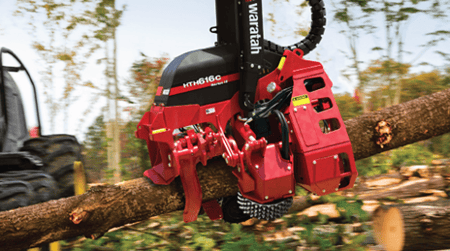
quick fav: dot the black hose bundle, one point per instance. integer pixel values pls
(274, 106)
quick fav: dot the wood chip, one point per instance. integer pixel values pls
(327, 209)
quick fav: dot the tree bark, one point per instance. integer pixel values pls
(421, 226)
(103, 208)
(409, 122)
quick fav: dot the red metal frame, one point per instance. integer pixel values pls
(319, 162)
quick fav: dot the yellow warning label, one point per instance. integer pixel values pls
(301, 100)
(159, 131)
(281, 64)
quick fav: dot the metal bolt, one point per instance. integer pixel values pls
(226, 160)
(239, 2)
(169, 165)
(323, 191)
(335, 156)
(314, 162)
(252, 65)
(292, 131)
(289, 167)
(168, 157)
(251, 138)
(242, 67)
(267, 197)
(288, 121)
(256, 166)
(336, 189)
(304, 107)
(175, 144)
(271, 87)
(247, 147)
(290, 191)
(295, 109)
(239, 169)
(223, 155)
(259, 66)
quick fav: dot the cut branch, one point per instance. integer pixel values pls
(106, 207)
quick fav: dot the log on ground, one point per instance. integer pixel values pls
(406, 189)
(421, 226)
(113, 206)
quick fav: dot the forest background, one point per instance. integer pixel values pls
(98, 63)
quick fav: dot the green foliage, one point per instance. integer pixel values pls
(374, 165)
(95, 155)
(351, 210)
(440, 145)
(414, 154)
(349, 107)
(245, 242)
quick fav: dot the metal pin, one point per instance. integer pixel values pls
(314, 162)
(335, 156)
(290, 191)
(223, 155)
(337, 189)
(247, 147)
(169, 165)
(252, 65)
(304, 107)
(292, 131)
(323, 190)
(168, 157)
(289, 167)
(295, 109)
(267, 197)
(271, 87)
(226, 160)
(256, 166)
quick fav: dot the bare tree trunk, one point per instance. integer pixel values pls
(103, 208)
(116, 140)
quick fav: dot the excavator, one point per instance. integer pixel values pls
(265, 109)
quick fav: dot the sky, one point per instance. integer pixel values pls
(172, 27)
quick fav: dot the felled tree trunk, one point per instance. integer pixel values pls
(422, 226)
(103, 208)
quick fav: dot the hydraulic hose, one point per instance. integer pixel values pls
(284, 135)
(314, 36)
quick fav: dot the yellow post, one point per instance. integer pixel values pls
(79, 178)
(55, 246)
